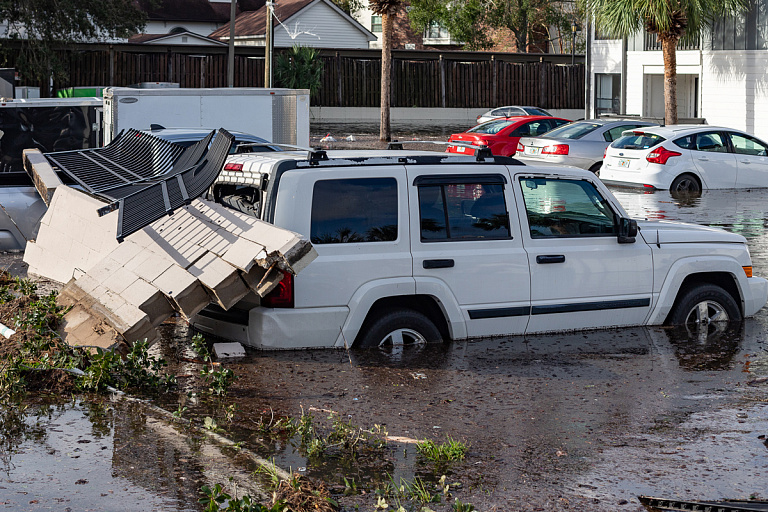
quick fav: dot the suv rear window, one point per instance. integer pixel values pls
(354, 211)
(573, 130)
(638, 140)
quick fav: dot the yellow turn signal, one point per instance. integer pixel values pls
(748, 271)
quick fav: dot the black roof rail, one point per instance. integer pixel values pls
(481, 152)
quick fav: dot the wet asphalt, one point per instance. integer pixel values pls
(576, 421)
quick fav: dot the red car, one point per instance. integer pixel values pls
(501, 135)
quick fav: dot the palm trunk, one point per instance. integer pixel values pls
(385, 133)
(668, 50)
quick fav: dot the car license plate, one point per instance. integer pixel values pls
(460, 149)
(530, 150)
(624, 162)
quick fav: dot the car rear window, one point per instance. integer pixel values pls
(638, 140)
(573, 130)
(491, 127)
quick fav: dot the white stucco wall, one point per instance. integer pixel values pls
(733, 85)
(734, 89)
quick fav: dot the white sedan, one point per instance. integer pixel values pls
(686, 158)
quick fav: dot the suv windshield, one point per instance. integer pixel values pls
(573, 130)
(638, 140)
(490, 127)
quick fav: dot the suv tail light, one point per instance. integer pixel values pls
(557, 149)
(282, 295)
(234, 167)
(520, 147)
(661, 155)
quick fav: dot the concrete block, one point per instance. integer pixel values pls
(228, 350)
(121, 279)
(150, 300)
(125, 251)
(149, 266)
(186, 292)
(241, 254)
(218, 241)
(43, 176)
(221, 280)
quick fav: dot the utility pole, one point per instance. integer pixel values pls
(231, 55)
(269, 46)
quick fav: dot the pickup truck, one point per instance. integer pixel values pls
(418, 247)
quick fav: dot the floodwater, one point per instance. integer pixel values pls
(576, 421)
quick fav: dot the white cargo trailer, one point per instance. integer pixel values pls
(277, 115)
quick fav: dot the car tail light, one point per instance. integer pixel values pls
(557, 149)
(282, 295)
(520, 147)
(234, 167)
(748, 271)
(661, 155)
(605, 153)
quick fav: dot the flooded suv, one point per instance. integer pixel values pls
(421, 247)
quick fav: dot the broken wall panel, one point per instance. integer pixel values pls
(179, 263)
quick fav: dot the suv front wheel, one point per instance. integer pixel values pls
(703, 305)
(399, 327)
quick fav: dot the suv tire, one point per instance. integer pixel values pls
(703, 305)
(399, 327)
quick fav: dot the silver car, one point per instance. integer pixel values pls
(579, 144)
(511, 111)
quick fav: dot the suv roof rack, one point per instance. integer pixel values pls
(481, 152)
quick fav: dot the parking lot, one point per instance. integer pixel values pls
(575, 421)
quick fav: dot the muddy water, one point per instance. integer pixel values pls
(580, 421)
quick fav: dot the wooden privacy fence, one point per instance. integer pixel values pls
(351, 78)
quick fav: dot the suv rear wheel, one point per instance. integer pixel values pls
(704, 305)
(399, 327)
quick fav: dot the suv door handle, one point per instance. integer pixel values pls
(704, 159)
(437, 263)
(550, 258)
(744, 161)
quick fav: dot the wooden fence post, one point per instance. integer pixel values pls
(338, 74)
(494, 81)
(442, 81)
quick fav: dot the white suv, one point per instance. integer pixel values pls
(419, 247)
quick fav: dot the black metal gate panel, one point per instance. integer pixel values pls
(143, 176)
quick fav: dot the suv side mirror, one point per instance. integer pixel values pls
(627, 230)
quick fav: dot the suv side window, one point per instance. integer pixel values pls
(566, 208)
(746, 145)
(463, 210)
(354, 211)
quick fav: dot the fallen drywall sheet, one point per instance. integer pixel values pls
(202, 253)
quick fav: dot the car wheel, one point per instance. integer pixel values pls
(704, 308)
(400, 327)
(596, 168)
(685, 184)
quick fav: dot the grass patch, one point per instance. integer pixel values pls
(449, 451)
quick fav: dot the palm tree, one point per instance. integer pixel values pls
(670, 20)
(387, 10)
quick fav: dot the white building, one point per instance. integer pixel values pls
(723, 77)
